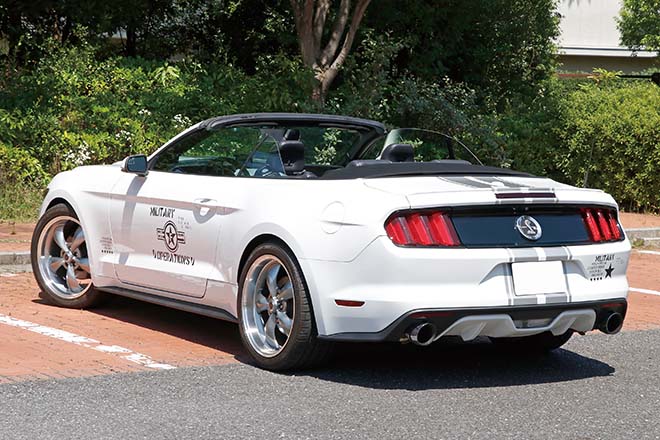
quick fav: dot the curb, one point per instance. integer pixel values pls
(14, 258)
(642, 233)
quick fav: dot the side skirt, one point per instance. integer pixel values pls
(199, 309)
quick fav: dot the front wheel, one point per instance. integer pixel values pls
(60, 259)
(275, 313)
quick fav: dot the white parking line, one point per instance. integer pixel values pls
(83, 341)
(647, 291)
(649, 252)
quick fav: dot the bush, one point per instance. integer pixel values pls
(611, 134)
(17, 166)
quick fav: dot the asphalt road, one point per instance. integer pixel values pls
(600, 387)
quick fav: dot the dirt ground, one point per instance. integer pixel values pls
(15, 238)
(633, 221)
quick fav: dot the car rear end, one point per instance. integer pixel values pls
(509, 260)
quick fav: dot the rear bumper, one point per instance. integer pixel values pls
(514, 321)
(392, 282)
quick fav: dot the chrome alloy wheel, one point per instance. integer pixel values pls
(267, 305)
(63, 259)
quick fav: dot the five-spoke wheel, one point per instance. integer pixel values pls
(268, 305)
(276, 320)
(60, 258)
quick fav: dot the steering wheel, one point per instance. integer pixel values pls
(223, 166)
(266, 171)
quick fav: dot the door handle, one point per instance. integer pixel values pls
(206, 203)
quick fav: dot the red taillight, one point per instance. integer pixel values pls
(397, 230)
(601, 224)
(614, 226)
(443, 230)
(422, 229)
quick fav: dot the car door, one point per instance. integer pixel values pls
(165, 229)
(166, 226)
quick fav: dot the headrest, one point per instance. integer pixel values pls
(293, 156)
(292, 134)
(398, 153)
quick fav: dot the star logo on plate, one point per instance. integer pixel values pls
(171, 236)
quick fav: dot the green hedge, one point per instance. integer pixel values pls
(611, 136)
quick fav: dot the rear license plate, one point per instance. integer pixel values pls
(538, 278)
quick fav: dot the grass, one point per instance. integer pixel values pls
(19, 203)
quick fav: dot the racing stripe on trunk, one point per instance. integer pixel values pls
(555, 254)
(466, 181)
(521, 255)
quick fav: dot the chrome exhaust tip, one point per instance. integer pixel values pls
(612, 324)
(423, 334)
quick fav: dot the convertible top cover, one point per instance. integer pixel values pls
(418, 169)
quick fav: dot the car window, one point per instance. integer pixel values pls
(236, 151)
(328, 145)
(373, 150)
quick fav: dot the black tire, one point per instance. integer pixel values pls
(91, 297)
(303, 349)
(535, 344)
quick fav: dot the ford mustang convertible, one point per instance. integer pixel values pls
(312, 229)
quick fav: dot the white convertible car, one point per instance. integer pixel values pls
(310, 229)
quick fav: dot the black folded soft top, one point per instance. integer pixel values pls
(407, 169)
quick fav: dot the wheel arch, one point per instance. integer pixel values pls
(252, 245)
(269, 237)
(60, 200)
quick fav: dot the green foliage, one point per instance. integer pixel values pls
(18, 166)
(611, 137)
(73, 109)
(640, 24)
(500, 48)
(19, 202)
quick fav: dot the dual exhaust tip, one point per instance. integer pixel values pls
(612, 324)
(422, 334)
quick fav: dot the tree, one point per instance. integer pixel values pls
(326, 60)
(640, 24)
(501, 48)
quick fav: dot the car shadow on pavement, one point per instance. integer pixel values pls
(445, 364)
(213, 333)
(451, 364)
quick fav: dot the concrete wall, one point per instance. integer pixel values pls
(590, 38)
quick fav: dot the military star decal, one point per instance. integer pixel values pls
(608, 272)
(171, 236)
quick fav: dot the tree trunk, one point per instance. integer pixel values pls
(131, 41)
(310, 17)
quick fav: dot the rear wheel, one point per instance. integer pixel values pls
(541, 343)
(275, 313)
(60, 260)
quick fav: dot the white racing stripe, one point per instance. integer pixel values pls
(647, 291)
(83, 341)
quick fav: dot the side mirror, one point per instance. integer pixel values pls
(136, 164)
